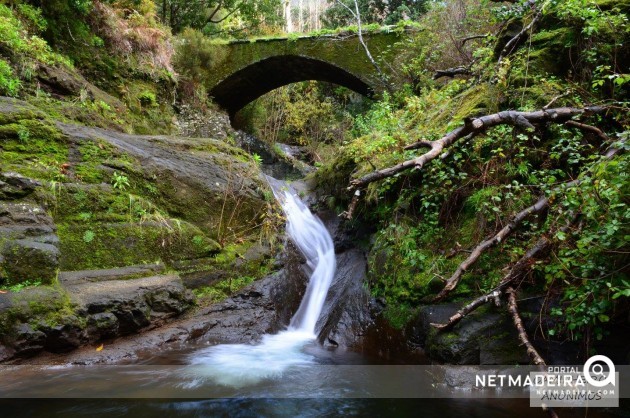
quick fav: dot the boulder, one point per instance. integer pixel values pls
(28, 341)
(16, 186)
(28, 244)
(487, 336)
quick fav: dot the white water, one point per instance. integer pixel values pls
(239, 365)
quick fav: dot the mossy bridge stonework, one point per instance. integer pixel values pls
(242, 71)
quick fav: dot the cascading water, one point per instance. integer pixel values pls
(312, 238)
(239, 365)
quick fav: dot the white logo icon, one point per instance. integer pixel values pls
(591, 369)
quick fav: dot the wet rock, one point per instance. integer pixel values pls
(64, 337)
(135, 303)
(87, 311)
(28, 244)
(60, 81)
(29, 260)
(102, 325)
(484, 337)
(121, 273)
(275, 162)
(27, 341)
(201, 181)
(264, 307)
(16, 186)
(346, 314)
(195, 123)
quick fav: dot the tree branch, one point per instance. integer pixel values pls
(522, 334)
(588, 128)
(453, 281)
(357, 16)
(474, 126)
(518, 272)
(513, 43)
(470, 38)
(451, 72)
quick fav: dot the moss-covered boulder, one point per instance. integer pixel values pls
(484, 337)
(28, 244)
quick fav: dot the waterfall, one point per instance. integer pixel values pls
(239, 365)
(310, 235)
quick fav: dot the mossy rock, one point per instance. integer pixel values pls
(37, 306)
(26, 260)
(106, 245)
(28, 244)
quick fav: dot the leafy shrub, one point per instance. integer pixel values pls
(9, 84)
(147, 98)
(16, 40)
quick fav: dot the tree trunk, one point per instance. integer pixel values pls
(287, 16)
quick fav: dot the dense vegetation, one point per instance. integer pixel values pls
(430, 219)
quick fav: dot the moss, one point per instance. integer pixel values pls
(89, 246)
(41, 306)
(398, 315)
(222, 290)
(474, 102)
(33, 147)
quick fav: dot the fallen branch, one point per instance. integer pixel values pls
(453, 281)
(470, 38)
(588, 128)
(537, 207)
(524, 120)
(466, 309)
(522, 334)
(513, 43)
(451, 72)
(516, 273)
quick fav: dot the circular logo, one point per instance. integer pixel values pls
(594, 372)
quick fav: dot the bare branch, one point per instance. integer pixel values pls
(517, 273)
(522, 334)
(470, 38)
(357, 16)
(513, 43)
(466, 309)
(451, 72)
(453, 281)
(474, 126)
(588, 128)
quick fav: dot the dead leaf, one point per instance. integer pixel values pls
(99, 348)
(3, 292)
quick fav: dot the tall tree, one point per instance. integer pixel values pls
(374, 11)
(220, 15)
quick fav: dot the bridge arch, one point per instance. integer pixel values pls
(261, 77)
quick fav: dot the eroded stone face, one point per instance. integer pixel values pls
(28, 244)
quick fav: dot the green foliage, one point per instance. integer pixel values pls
(9, 84)
(312, 114)
(23, 285)
(196, 54)
(88, 236)
(374, 11)
(223, 289)
(402, 269)
(147, 98)
(257, 159)
(221, 17)
(15, 38)
(32, 17)
(120, 181)
(590, 264)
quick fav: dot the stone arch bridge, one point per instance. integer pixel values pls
(245, 70)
